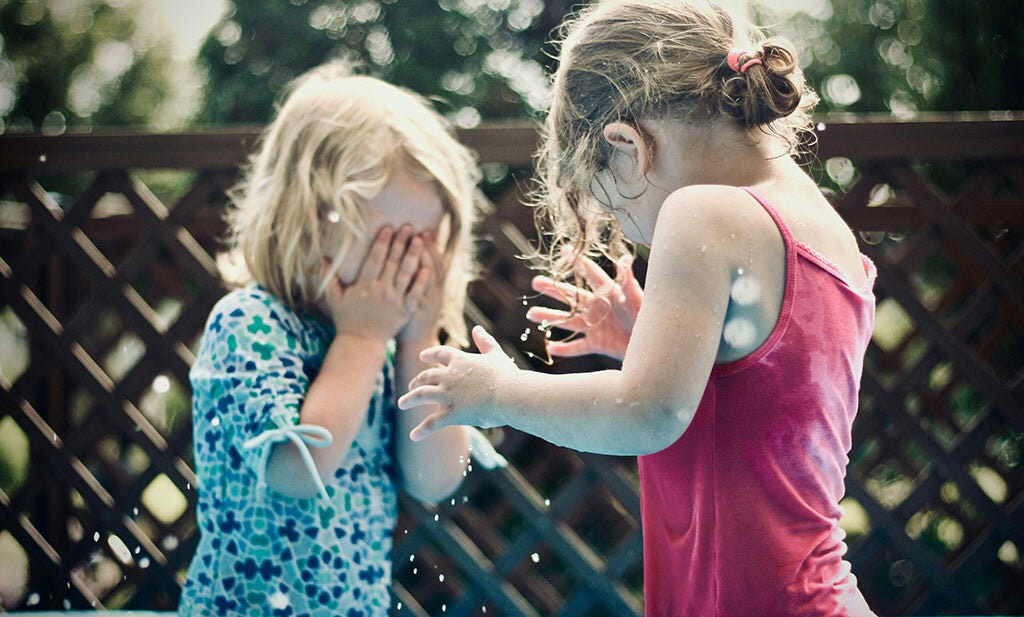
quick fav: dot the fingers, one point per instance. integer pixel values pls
(556, 318)
(410, 265)
(374, 262)
(569, 349)
(429, 426)
(563, 292)
(422, 395)
(594, 275)
(484, 341)
(398, 249)
(427, 377)
(421, 287)
(440, 354)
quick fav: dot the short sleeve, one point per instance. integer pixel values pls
(249, 381)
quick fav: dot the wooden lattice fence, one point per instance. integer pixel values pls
(109, 263)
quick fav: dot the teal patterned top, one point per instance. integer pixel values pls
(261, 552)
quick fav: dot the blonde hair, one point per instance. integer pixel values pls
(630, 60)
(336, 141)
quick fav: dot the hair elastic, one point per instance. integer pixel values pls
(733, 60)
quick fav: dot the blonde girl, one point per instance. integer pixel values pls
(672, 125)
(354, 220)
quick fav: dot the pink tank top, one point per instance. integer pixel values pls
(741, 514)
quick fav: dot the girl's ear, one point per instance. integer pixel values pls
(627, 141)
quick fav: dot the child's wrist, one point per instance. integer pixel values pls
(418, 339)
(360, 337)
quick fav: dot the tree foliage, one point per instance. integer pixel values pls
(480, 58)
(79, 63)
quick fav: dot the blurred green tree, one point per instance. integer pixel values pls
(80, 63)
(903, 56)
(486, 59)
(483, 59)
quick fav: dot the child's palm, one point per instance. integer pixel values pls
(604, 316)
(387, 291)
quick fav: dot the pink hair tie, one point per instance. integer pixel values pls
(733, 60)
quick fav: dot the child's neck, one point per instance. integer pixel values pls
(722, 154)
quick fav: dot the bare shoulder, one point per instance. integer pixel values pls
(713, 221)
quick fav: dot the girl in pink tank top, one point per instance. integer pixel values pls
(673, 125)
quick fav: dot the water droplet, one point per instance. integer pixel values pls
(135, 511)
(465, 498)
(444, 607)
(412, 558)
(535, 557)
(820, 126)
(703, 248)
(215, 422)
(170, 543)
(96, 537)
(399, 607)
(415, 570)
(739, 271)
(469, 468)
(547, 502)
(453, 501)
(144, 563)
(469, 371)
(619, 400)
(333, 216)
(440, 577)
(523, 337)
(437, 518)
(33, 599)
(42, 158)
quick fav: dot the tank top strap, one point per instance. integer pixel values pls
(787, 235)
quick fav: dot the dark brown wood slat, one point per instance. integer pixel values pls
(939, 458)
(962, 356)
(968, 241)
(472, 563)
(966, 318)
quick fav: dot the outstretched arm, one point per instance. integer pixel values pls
(639, 409)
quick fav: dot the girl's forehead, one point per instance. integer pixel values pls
(408, 198)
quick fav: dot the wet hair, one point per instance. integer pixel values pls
(335, 142)
(634, 60)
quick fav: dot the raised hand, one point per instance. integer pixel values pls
(388, 291)
(423, 324)
(463, 386)
(604, 316)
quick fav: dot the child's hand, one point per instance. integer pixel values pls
(464, 386)
(604, 317)
(388, 290)
(423, 324)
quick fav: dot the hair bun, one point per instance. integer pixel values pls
(767, 90)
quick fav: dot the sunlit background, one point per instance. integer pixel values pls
(80, 65)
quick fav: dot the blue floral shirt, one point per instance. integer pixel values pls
(261, 552)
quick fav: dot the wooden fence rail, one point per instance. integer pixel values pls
(110, 262)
